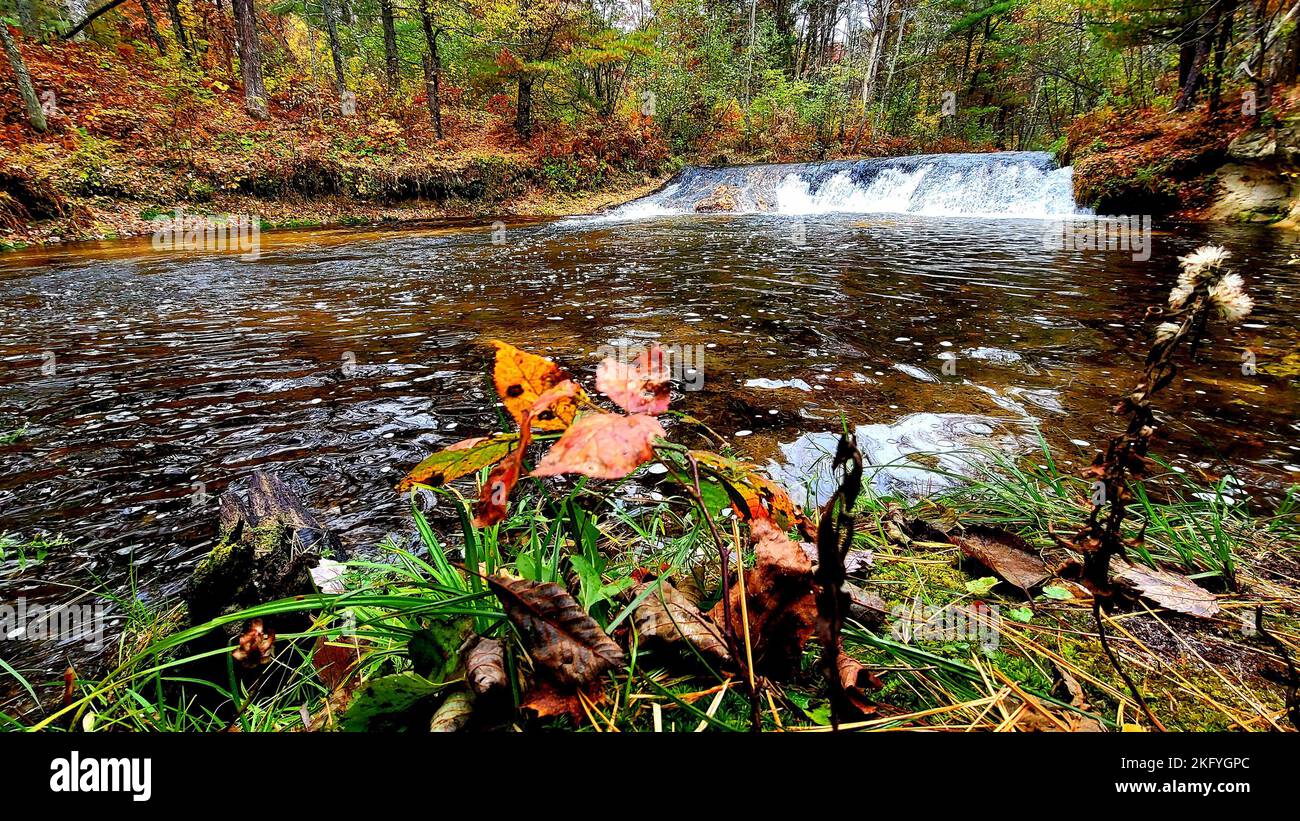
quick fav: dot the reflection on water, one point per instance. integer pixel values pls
(340, 359)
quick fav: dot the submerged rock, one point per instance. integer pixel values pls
(721, 199)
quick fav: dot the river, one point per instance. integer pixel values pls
(149, 381)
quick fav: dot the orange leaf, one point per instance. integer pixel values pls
(495, 493)
(754, 496)
(641, 387)
(603, 446)
(521, 378)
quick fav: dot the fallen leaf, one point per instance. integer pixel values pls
(982, 586)
(641, 387)
(461, 459)
(453, 714)
(335, 660)
(1057, 593)
(1006, 554)
(387, 696)
(780, 603)
(602, 446)
(521, 378)
(867, 607)
(668, 617)
(327, 575)
(855, 680)
(560, 637)
(256, 647)
(546, 700)
(435, 651)
(485, 667)
(1170, 590)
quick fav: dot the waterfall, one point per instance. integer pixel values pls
(1023, 184)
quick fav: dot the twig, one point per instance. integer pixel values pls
(1110, 654)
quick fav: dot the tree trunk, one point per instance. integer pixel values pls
(524, 108)
(35, 115)
(26, 17)
(1220, 51)
(336, 51)
(178, 28)
(1196, 71)
(250, 58)
(390, 42)
(432, 68)
(152, 25)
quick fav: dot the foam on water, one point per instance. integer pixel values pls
(1020, 184)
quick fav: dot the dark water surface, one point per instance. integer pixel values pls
(340, 359)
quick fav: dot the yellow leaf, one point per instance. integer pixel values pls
(460, 459)
(521, 378)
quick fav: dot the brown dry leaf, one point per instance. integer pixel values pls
(460, 459)
(521, 378)
(1078, 700)
(668, 617)
(494, 496)
(256, 647)
(560, 637)
(1170, 590)
(856, 679)
(335, 660)
(641, 387)
(485, 667)
(603, 446)
(1006, 554)
(867, 607)
(781, 606)
(545, 699)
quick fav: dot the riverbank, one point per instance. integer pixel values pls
(107, 219)
(1228, 167)
(127, 142)
(946, 632)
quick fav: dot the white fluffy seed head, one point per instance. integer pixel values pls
(1202, 263)
(1165, 331)
(1229, 295)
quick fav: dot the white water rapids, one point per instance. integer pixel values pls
(1018, 184)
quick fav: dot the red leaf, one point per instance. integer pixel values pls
(641, 387)
(603, 446)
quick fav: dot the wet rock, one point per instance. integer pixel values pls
(1252, 193)
(721, 199)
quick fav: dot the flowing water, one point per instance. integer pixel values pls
(148, 381)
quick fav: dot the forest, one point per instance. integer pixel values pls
(175, 101)
(665, 366)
